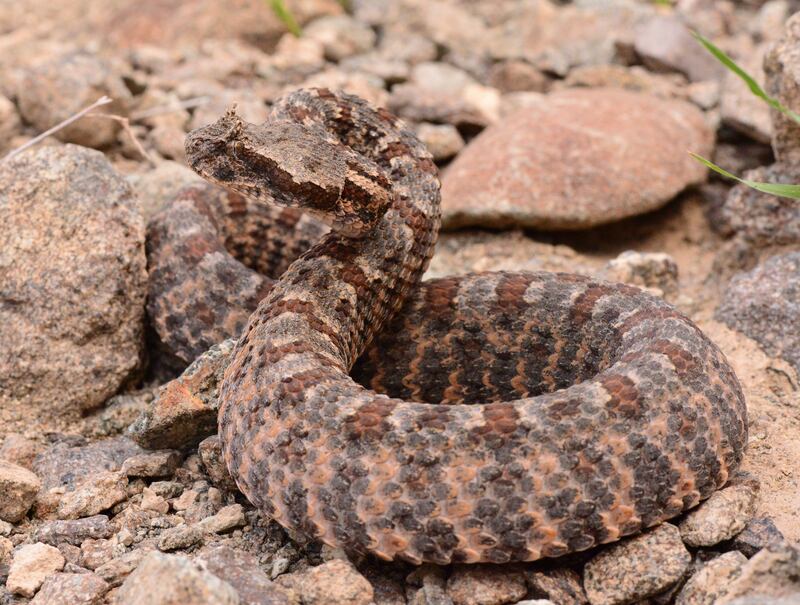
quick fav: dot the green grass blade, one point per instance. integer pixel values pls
(790, 191)
(285, 15)
(754, 87)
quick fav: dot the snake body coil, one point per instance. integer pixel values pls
(530, 415)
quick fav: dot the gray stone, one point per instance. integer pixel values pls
(72, 269)
(665, 44)
(66, 464)
(764, 303)
(757, 534)
(152, 464)
(30, 566)
(74, 531)
(174, 580)
(721, 517)
(712, 580)
(636, 568)
(560, 585)
(627, 155)
(210, 450)
(18, 489)
(71, 589)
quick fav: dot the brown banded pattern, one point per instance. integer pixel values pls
(498, 417)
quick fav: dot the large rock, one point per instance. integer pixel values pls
(764, 304)
(576, 159)
(782, 69)
(72, 281)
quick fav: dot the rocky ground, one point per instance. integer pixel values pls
(561, 129)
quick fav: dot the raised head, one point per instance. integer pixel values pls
(292, 164)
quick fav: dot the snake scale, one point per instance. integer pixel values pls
(493, 417)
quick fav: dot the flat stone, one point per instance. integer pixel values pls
(185, 409)
(180, 537)
(665, 43)
(152, 464)
(66, 464)
(95, 494)
(18, 489)
(333, 583)
(241, 570)
(627, 156)
(227, 518)
(764, 302)
(721, 517)
(73, 270)
(636, 568)
(560, 585)
(174, 580)
(74, 531)
(485, 585)
(711, 581)
(30, 566)
(71, 589)
(757, 534)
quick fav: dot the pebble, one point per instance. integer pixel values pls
(241, 570)
(210, 450)
(517, 76)
(95, 494)
(655, 271)
(514, 173)
(636, 568)
(154, 502)
(761, 304)
(486, 585)
(19, 450)
(82, 290)
(560, 585)
(30, 566)
(739, 107)
(341, 36)
(6, 546)
(772, 572)
(152, 464)
(664, 42)
(63, 85)
(442, 140)
(71, 589)
(182, 536)
(74, 531)
(757, 534)
(333, 583)
(116, 570)
(711, 581)
(721, 517)
(18, 489)
(174, 580)
(227, 518)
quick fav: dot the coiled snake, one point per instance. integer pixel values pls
(505, 417)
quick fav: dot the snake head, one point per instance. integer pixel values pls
(291, 164)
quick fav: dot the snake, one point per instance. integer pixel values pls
(493, 417)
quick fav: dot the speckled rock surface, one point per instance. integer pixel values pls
(757, 534)
(72, 269)
(333, 583)
(774, 572)
(782, 69)
(242, 571)
(174, 580)
(18, 489)
(712, 580)
(637, 568)
(560, 585)
(763, 302)
(64, 85)
(71, 589)
(627, 155)
(721, 517)
(485, 585)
